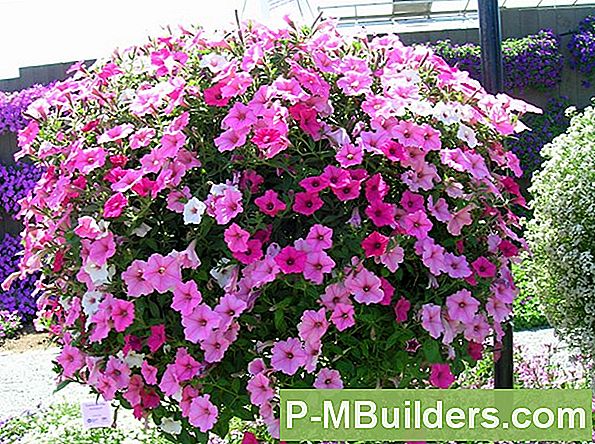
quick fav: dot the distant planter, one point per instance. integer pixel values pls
(15, 182)
(582, 49)
(534, 61)
(12, 106)
(218, 218)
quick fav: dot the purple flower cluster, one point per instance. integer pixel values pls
(534, 61)
(582, 49)
(544, 128)
(15, 183)
(20, 298)
(13, 105)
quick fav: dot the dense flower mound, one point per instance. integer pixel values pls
(20, 299)
(534, 61)
(544, 128)
(15, 182)
(561, 232)
(12, 106)
(582, 49)
(221, 217)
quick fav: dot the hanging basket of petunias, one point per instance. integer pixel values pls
(221, 217)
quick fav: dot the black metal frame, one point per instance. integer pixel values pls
(490, 36)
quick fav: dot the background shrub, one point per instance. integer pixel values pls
(561, 232)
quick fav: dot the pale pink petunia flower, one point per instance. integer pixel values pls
(203, 413)
(328, 379)
(134, 278)
(163, 272)
(200, 324)
(260, 389)
(343, 316)
(431, 320)
(318, 263)
(186, 297)
(461, 306)
(313, 325)
(288, 356)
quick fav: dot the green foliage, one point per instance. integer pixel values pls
(527, 308)
(561, 234)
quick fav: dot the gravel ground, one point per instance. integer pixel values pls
(27, 380)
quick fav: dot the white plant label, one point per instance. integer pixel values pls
(96, 414)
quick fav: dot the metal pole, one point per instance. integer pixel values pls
(493, 81)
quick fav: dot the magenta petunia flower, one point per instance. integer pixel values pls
(441, 376)
(291, 260)
(270, 204)
(375, 244)
(484, 268)
(114, 206)
(307, 203)
(122, 314)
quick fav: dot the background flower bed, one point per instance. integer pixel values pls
(20, 298)
(15, 182)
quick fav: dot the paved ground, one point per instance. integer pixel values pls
(27, 381)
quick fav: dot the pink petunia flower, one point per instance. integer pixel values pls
(288, 356)
(313, 325)
(186, 297)
(230, 307)
(203, 413)
(71, 359)
(314, 184)
(236, 238)
(417, 224)
(251, 254)
(366, 287)
(456, 266)
(185, 366)
(122, 314)
(412, 202)
(320, 237)
(461, 306)
(478, 329)
(343, 316)
(260, 389)
(118, 371)
(215, 346)
(200, 324)
(431, 320)
(114, 206)
(134, 278)
(163, 272)
(149, 373)
(328, 379)
(318, 263)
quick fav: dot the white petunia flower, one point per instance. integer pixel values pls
(171, 426)
(91, 301)
(467, 135)
(193, 211)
